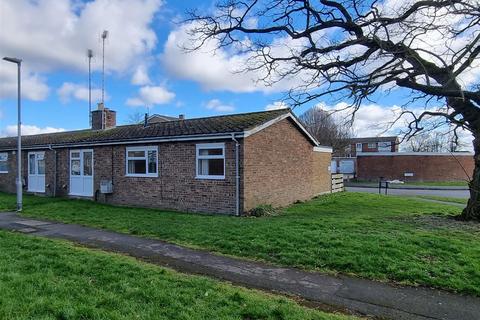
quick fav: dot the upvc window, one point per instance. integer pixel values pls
(372, 145)
(142, 161)
(210, 161)
(358, 147)
(3, 162)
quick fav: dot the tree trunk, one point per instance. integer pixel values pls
(472, 211)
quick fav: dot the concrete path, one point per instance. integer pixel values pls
(352, 295)
(414, 192)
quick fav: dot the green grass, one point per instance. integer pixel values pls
(378, 237)
(52, 279)
(445, 199)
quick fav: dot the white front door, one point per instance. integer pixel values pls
(36, 171)
(81, 173)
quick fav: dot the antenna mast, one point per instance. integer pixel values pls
(104, 37)
(90, 56)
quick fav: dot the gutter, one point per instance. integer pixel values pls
(237, 177)
(54, 170)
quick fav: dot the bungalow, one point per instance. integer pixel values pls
(223, 164)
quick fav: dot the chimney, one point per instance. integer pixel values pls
(181, 117)
(103, 118)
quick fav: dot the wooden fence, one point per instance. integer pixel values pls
(337, 182)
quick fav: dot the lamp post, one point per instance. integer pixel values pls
(19, 134)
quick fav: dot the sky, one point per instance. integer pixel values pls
(146, 68)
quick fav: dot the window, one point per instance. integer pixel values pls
(385, 146)
(211, 161)
(372, 145)
(4, 162)
(142, 161)
(358, 147)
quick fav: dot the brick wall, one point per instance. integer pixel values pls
(424, 167)
(321, 176)
(175, 187)
(7, 180)
(279, 167)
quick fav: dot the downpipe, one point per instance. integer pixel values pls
(54, 170)
(237, 176)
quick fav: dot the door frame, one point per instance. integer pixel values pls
(36, 175)
(81, 171)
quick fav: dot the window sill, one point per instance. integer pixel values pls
(3, 171)
(141, 175)
(210, 177)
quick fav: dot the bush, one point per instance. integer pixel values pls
(262, 210)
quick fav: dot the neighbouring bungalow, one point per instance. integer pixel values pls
(223, 164)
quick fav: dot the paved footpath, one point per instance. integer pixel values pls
(353, 295)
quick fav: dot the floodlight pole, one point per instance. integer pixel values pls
(19, 132)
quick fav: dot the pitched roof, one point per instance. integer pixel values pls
(373, 139)
(235, 123)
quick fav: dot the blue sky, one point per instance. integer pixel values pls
(144, 62)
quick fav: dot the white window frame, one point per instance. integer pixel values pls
(6, 160)
(206, 157)
(372, 145)
(358, 147)
(145, 149)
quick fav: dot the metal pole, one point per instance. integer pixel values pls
(89, 89)
(19, 142)
(103, 71)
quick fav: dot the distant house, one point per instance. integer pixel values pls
(372, 144)
(224, 164)
(345, 160)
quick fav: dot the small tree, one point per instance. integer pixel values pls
(354, 48)
(328, 130)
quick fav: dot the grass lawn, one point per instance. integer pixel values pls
(372, 236)
(445, 199)
(51, 279)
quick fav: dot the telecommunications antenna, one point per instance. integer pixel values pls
(104, 37)
(90, 56)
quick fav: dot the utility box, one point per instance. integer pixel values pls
(106, 186)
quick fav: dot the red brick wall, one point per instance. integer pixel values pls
(279, 167)
(175, 187)
(424, 167)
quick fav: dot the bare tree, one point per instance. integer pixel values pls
(328, 130)
(135, 118)
(352, 49)
(432, 142)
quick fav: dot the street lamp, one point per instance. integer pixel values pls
(19, 135)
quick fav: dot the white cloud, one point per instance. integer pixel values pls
(70, 91)
(219, 69)
(140, 76)
(149, 96)
(276, 105)
(34, 86)
(218, 106)
(27, 130)
(53, 35)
